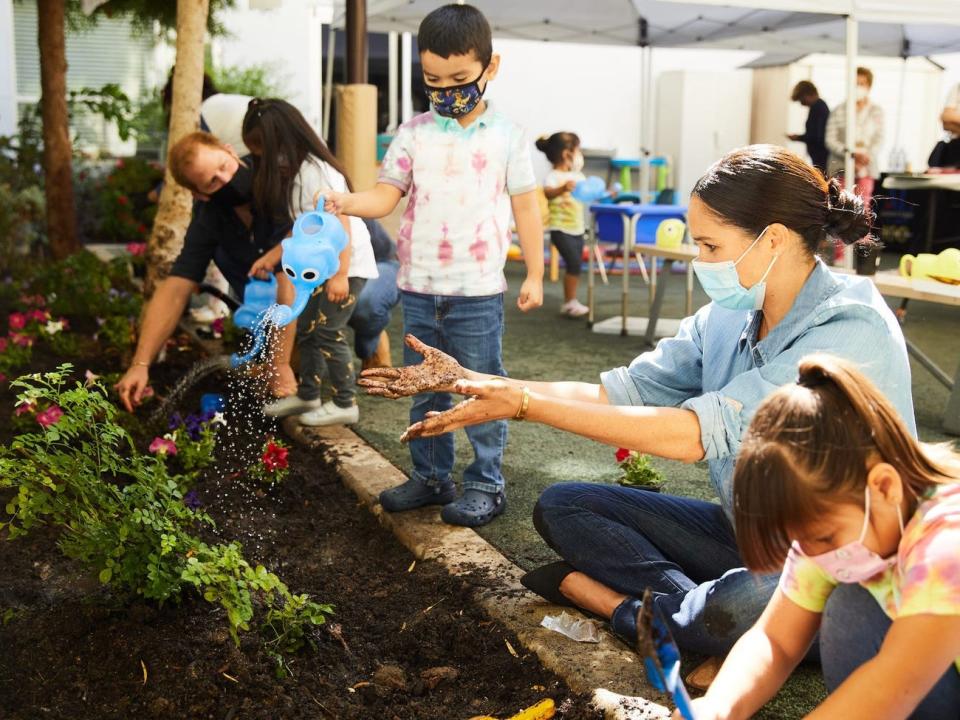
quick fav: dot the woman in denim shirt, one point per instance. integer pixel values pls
(758, 216)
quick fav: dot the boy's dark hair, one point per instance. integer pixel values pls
(555, 145)
(456, 30)
(803, 89)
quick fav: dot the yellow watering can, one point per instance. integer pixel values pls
(944, 267)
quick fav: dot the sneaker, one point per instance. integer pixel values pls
(414, 494)
(331, 414)
(574, 309)
(290, 405)
(474, 508)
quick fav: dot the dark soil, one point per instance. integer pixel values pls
(406, 640)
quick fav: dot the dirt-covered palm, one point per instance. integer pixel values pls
(486, 400)
(437, 373)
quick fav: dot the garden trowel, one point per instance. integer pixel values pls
(661, 656)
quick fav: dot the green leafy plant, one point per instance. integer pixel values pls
(258, 80)
(121, 512)
(637, 470)
(84, 286)
(124, 211)
(195, 437)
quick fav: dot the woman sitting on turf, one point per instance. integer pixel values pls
(758, 216)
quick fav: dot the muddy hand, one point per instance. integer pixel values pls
(437, 373)
(487, 400)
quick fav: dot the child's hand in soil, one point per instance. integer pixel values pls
(437, 373)
(487, 400)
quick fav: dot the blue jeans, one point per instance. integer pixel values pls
(684, 550)
(471, 330)
(372, 314)
(851, 633)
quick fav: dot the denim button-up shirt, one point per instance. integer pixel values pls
(716, 366)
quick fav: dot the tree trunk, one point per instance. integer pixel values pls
(173, 215)
(57, 152)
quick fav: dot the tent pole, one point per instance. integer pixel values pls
(850, 142)
(406, 77)
(393, 63)
(328, 82)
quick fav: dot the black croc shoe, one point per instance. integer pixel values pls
(414, 494)
(545, 582)
(474, 509)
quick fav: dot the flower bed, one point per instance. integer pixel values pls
(95, 626)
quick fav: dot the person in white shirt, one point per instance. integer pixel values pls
(281, 138)
(869, 137)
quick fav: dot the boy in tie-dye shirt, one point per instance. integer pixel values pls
(463, 167)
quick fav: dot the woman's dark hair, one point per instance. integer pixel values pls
(166, 96)
(803, 89)
(759, 185)
(456, 30)
(283, 138)
(555, 145)
(808, 449)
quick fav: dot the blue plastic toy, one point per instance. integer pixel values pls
(258, 296)
(311, 256)
(590, 190)
(212, 402)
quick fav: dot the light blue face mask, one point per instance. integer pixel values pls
(721, 282)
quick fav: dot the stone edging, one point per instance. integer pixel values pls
(586, 667)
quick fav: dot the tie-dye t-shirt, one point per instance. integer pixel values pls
(925, 579)
(455, 233)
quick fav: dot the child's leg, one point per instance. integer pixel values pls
(570, 248)
(851, 633)
(472, 328)
(335, 351)
(432, 457)
(430, 482)
(312, 365)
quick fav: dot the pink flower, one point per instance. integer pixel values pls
(17, 321)
(3, 344)
(3, 378)
(148, 392)
(120, 162)
(163, 446)
(27, 406)
(21, 339)
(622, 454)
(217, 326)
(40, 316)
(50, 416)
(137, 248)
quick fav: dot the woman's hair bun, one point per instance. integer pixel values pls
(543, 142)
(847, 218)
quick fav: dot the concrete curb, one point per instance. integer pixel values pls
(585, 667)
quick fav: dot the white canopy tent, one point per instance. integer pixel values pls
(781, 28)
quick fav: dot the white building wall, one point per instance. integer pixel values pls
(8, 73)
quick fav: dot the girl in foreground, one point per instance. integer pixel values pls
(869, 522)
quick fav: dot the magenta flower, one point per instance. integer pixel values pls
(27, 406)
(137, 248)
(50, 416)
(21, 339)
(3, 344)
(18, 321)
(40, 316)
(163, 446)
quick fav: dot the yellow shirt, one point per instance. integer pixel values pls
(566, 214)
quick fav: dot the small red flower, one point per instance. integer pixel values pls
(25, 407)
(217, 326)
(275, 457)
(123, 200)
(21, 339)
(3, 344)
(142, 229)
(622, 454)
(17, 320)
(50, 416)
(40, 316)
(137, 248)
(3, 378)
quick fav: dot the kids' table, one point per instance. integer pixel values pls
(633, 227)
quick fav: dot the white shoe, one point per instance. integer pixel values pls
(290, 405)
(574, 308)
(331, 414)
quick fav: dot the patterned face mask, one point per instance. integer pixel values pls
(456, 100)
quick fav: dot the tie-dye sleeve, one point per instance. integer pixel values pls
(520, 176)
(930, 566)
(805, 583)
(397, 166)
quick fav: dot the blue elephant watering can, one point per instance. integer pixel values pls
(258, 297)
(311, 256)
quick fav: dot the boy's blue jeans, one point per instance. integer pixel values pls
(376, 301)
(470, 329)
(683, 549)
